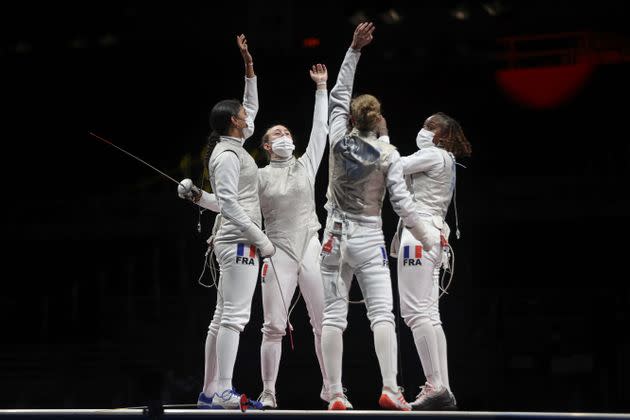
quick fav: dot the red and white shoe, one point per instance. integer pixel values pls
(391, 400)
(339, 402)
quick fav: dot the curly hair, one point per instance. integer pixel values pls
(451, 137)
(365, 111)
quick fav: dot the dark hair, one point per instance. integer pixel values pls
(452, 137)
(220, 123)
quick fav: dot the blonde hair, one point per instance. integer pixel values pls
(365, 111)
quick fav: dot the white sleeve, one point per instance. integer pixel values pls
(317, 142)
(421, 161)
(250, 103)
(340, 96)
(228, 165)
(399, 195)
(209, 201)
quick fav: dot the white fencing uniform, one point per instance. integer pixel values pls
(287, 200)
(361, 168)
(430, 176)
(234, 179)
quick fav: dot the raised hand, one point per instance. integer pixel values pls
(362, 35)
(242, 46)
(319, 74)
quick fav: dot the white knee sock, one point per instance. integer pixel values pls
(227, 347)
(332, 353)
(386, 350)
(211, 373)
(426, 344)
(270, 353)
(318, 351)
(441, 342)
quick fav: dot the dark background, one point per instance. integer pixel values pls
(100, 304)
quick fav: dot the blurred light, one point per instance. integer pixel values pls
(493, 8)
(78, 43)
(311, 42)
(107, 40)
(460, 12)
(391, 17)
(23, 47)
(358, 17)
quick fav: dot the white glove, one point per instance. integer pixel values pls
(262, 242)
(421, 233)
(188, 191)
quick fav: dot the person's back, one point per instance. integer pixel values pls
(358, 167)
(361, 168)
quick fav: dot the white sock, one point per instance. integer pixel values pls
(386, 350)
(426, 344)
(441, 342)
(270, 353)
(211, 373)
(227, 347)
(332, 353)
(318, 351)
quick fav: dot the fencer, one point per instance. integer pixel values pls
(361, 168)
(430, 176)
(287, 198)
(238, 239)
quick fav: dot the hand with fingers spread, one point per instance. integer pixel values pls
(319, 74)
(362, 35)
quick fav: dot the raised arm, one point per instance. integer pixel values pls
(317, 142)
(250, 96)
(341, 94)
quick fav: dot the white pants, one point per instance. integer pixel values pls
(418, 286)
(418, 280)
(275, 305)
(349, 247)
(238, 265)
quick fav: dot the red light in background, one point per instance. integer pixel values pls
(544, 87)
(311, 42)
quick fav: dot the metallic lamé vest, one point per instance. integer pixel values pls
(225, 229)
(287, 201)
(432, 191)
(357, 171)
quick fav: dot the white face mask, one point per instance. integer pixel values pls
(283, 146)
(425, 138)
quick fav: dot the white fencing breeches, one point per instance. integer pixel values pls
(277, 292)
(359, 249)
(238, 265)
(418, 286)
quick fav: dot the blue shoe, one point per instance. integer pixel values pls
(205, 402)
(230, 399)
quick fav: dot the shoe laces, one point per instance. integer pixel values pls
(266, 393)
(227, 394)
(425, 390)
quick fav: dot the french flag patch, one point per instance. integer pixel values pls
(241, 250)
(417, 251)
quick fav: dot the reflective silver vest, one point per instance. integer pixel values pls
(357, 170)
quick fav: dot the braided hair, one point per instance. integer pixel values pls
(451, 136)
